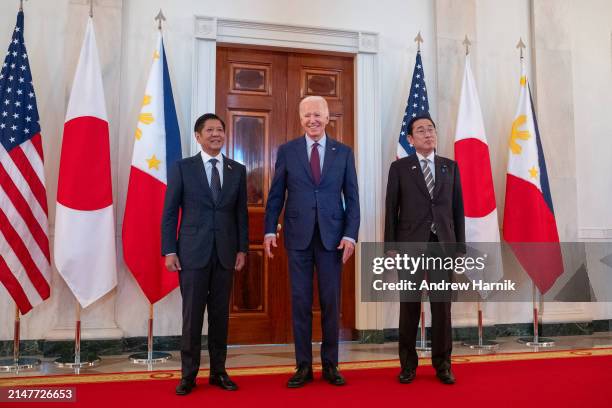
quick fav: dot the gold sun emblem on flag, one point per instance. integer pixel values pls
(145, 118)
(516, 134)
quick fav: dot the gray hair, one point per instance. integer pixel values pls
(315, 98)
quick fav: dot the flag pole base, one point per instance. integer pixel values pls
(24, 363)
(530, 341)
(423, 346)
(482, 345)
(87, 360)
(156, 357)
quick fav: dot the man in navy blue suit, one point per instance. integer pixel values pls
(317, 176)
(207, 194)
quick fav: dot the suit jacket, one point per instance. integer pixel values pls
(204, 222)
(307, 203)
(410, 210)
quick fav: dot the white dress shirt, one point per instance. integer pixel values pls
(430, 163)
(320, 148)
(208, 165)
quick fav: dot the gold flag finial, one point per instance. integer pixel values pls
(467, 44)
(160, 18)
(418, 39)
(521, 46)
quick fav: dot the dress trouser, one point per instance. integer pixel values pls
(205, 287)
(441, 330)
(328, 266)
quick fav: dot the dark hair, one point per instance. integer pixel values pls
(422, 116)
(202, 120)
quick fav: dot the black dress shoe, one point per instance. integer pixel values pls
(185, 387)
(446, 376)
(332, 375)
(302, 375)
(407, 375)
(223, 381)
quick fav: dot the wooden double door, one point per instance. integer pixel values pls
(257, 95)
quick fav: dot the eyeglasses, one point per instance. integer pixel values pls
(423, 132)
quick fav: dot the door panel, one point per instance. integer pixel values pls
(332, 78)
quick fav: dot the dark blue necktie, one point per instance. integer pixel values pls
(215, 180)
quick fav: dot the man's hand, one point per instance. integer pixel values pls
(172, 263)
(240, 261)
(270, 240)
(348, 248)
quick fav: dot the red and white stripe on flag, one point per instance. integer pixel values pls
(85, 252)
(25, 269)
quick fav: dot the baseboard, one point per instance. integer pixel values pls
(54, 348)
(518, 329)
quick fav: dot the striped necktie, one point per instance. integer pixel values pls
(430, 182)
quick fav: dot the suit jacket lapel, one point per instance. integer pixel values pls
(198, 165)
(415, 167)
(330, 155)
(438, 177)
(302, 155)
(227, 179)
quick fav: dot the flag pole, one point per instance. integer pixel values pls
(78, 360)
(481, 343)
(150, 357)
(535, 340)
(17, 363)
(423, 344)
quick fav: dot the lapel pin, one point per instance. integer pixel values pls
(229, 167)
(333, 148)
(413, 167)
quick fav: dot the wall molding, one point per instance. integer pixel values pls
(595, 233)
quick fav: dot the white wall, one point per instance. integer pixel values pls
(592, 86)
(54, 31)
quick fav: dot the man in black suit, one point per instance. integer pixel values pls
(209, 189)
(424, 204)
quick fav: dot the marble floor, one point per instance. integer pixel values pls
(282, 355)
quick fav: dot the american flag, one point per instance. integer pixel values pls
(417, 105)
(24, 243)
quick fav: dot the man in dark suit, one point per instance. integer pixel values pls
(318, 176)
(209, 189)
(424, 204)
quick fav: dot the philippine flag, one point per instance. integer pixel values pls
(529, 218)
(85, 252)
(157, 146)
